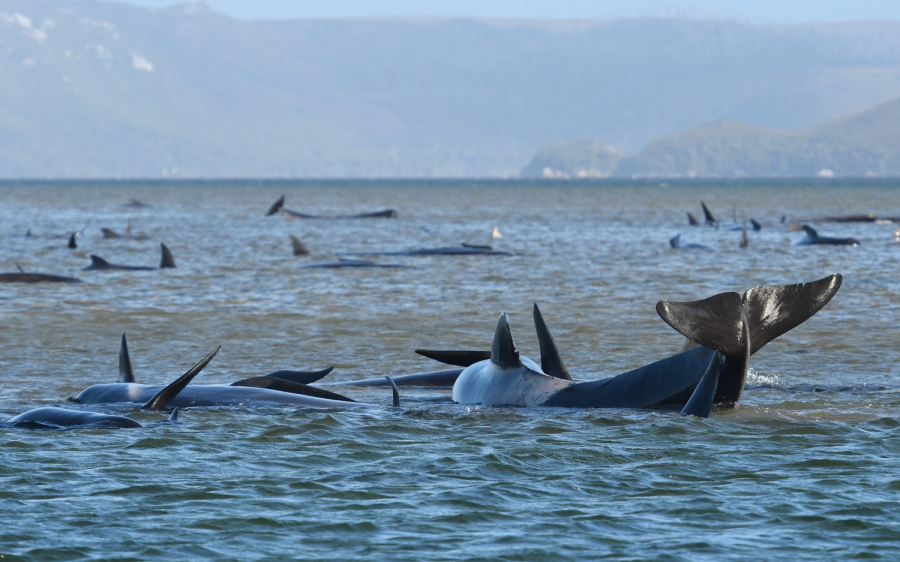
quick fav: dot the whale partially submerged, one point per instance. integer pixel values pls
(277, 389)
(52, 417)
(814, 239)
(165, 261)
(461, 250)
(23, 276)
(676, 244)
(278, 206)
(723, 331)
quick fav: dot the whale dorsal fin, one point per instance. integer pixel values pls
(299, 247)
(166, 259)
(19, 267)
(98, 263)
(692, 220)
(72, 243)
(810, 231)
(551, 362)
(503, 349)
(773, 310)
(275, 206)
(167, 394)
(126, 374)
(675, 241)
(174, 417)
(715, 322)
(707, 214)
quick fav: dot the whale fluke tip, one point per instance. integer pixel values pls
(275, 207)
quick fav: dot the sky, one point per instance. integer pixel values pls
(771, 11)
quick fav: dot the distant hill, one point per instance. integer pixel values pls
(867, 143)
(99, 89)
(581, 158)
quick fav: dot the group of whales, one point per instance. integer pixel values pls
(722, 331)
(812, 238)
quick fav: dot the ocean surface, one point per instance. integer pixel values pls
(805, 468)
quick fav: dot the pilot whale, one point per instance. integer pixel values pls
(813, 239)
(68, 418)
(723, 331)
(461, 250)
(166, 260)
(279, 206)
(278, 389)
(295, 382)
(24, 277)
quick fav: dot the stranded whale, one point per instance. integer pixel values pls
(166, 260)
(279, 206)
(278, 389)
(67, 418)
(24, 277)
(813, 239)
(723, 332)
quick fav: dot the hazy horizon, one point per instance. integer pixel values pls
(764, 11)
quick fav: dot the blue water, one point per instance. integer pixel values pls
(803, 469)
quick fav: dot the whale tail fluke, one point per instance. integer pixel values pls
(167, 394)
(738, 327)
(126, 374)
(275, 207)
(714, 322)
(551, 361)
(773, 310)
(166, 259)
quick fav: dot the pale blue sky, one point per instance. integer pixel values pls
(754, 10)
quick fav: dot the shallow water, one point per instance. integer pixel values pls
(804, 468)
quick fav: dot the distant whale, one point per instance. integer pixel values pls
(166, 261)
(461, 250)
(279, 206)
(108, 233)
(298, 247)
(68, 418)
(676, 244)
(813, 239)
(23, 277)
(723, 332)
(352, 263)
